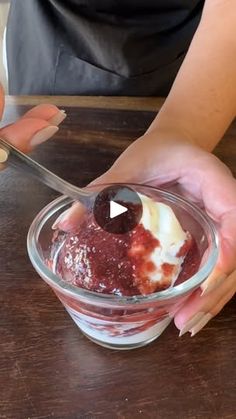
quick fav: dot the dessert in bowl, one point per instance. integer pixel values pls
(123, 290)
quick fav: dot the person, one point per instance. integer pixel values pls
(185, 50)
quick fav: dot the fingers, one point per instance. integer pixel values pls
(36, 126)
(213, 281)
(200, 308)
(49, 113)
(227, 249)
(26, 133)
(227, 231)
(3, 156)
(208, 316)
(2, 101)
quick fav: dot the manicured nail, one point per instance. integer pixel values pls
(204, 320)
(191, 323)
(60, 219)
(43, 135)
(3, 155)
(212, 285)
(58, 118)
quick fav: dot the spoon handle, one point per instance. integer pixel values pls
(21, 161)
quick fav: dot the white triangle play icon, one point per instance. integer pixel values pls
(116, 209)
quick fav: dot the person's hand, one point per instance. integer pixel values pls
(36, 126)
(204, 179)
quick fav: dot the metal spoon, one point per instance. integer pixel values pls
(19, 160)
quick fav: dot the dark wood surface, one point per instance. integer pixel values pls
(47, 368)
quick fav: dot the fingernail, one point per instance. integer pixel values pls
(43, 135)
(204, 320)
(60, 219)
(58, 118)
(212, 285)
(3, 155)
(191, 323)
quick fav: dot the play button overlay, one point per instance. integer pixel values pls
(118, 209)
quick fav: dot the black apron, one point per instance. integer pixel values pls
(98, 47)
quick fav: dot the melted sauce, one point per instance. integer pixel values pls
(108, 263)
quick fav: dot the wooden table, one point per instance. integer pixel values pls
(48, 369)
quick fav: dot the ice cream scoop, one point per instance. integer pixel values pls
(166, 259)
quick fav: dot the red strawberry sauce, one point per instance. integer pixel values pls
(108, 263)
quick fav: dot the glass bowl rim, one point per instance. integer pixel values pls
(74, 291)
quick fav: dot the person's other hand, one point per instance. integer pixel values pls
(204, 179)
(33, 128)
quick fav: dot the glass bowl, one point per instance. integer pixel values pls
(120, 322)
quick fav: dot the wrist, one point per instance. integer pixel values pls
(171, 123)
(168, 133)
(169, 127)
(168, 144)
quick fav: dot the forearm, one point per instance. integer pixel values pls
(202, 102)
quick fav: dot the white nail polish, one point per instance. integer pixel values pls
(43, 135)
(191, 323)
(58, 118)
(204, 320)
(60, 219)
(3, 155)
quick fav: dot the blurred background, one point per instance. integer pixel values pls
(4, 9)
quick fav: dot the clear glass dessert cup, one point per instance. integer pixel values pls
(120, 322)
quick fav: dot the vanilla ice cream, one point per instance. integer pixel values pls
(166, 258)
